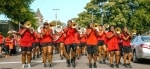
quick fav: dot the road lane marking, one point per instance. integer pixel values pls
(56, 61)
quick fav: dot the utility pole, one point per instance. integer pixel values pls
(56, 14)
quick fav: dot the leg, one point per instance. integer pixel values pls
(104, 53)
(99, 53)
(49, 53)
(111, 58)
(95, 55)
(44, 52)
(73, 46)
(117, 56)
(68, 48)
(37, 51)
(61, 49)
(23, 58)
(29, 58)
(90, 56)
(129, 57)
(78, 51)
(33, 53)
(125, 59)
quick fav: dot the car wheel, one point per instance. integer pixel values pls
(135, 60)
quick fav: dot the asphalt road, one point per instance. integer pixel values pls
(14, 62)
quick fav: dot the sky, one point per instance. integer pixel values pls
(67, 9)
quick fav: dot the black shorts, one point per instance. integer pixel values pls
(35, 44)
(127, 49)
(1, 44)
(82, 44)
(26, 48)
(121, 48)
(71, 46)
(101, 43)
(46, 44)
(92, 49)
(56, 44)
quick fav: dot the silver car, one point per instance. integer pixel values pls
(140, 47)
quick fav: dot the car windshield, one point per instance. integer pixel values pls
(145, 39)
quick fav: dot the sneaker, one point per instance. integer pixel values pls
(129, 65)
(73, 63)
(90, 65)
(29, 65)
(78, 57)
(62, 58)
(38, 56)
(111, 65)
(95, 66)
(104, 61)
(50, 65)
(125, 65)
(101, 62)
(68, 63)
(23, 66)
(44, 65)
(117, 65)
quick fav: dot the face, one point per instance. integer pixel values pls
(112, 28)
(100, 28)
(125, 29)
(69, 24)
(91, 25)
(46, 25)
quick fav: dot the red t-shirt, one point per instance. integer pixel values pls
(70, 35)
(83, 38)
(112, 42)
(36, 37)
(101, 36)
(125, 42)
(26, 38)
(61, 37)
(76, 38)
(47, 37)
(91, 38)
(1, 39)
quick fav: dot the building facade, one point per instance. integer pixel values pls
(39, 17)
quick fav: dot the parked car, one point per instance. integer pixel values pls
(140, 47)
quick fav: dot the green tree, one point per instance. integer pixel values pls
(17, 10)
(132, 13)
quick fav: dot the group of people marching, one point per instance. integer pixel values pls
(99, 44)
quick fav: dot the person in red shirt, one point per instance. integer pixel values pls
(36, 44)
(101, 44)
(46, 43)
(77, 42)
(113, 48)
(59, 39)
(9, 44)
(92, 44)
(1, 43)
(69, 43)
(83, 38)
(126, 37)
(26, 43)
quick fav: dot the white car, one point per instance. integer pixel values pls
(140, 47)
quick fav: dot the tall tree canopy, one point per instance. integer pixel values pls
(132, 13)
(17, 10)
